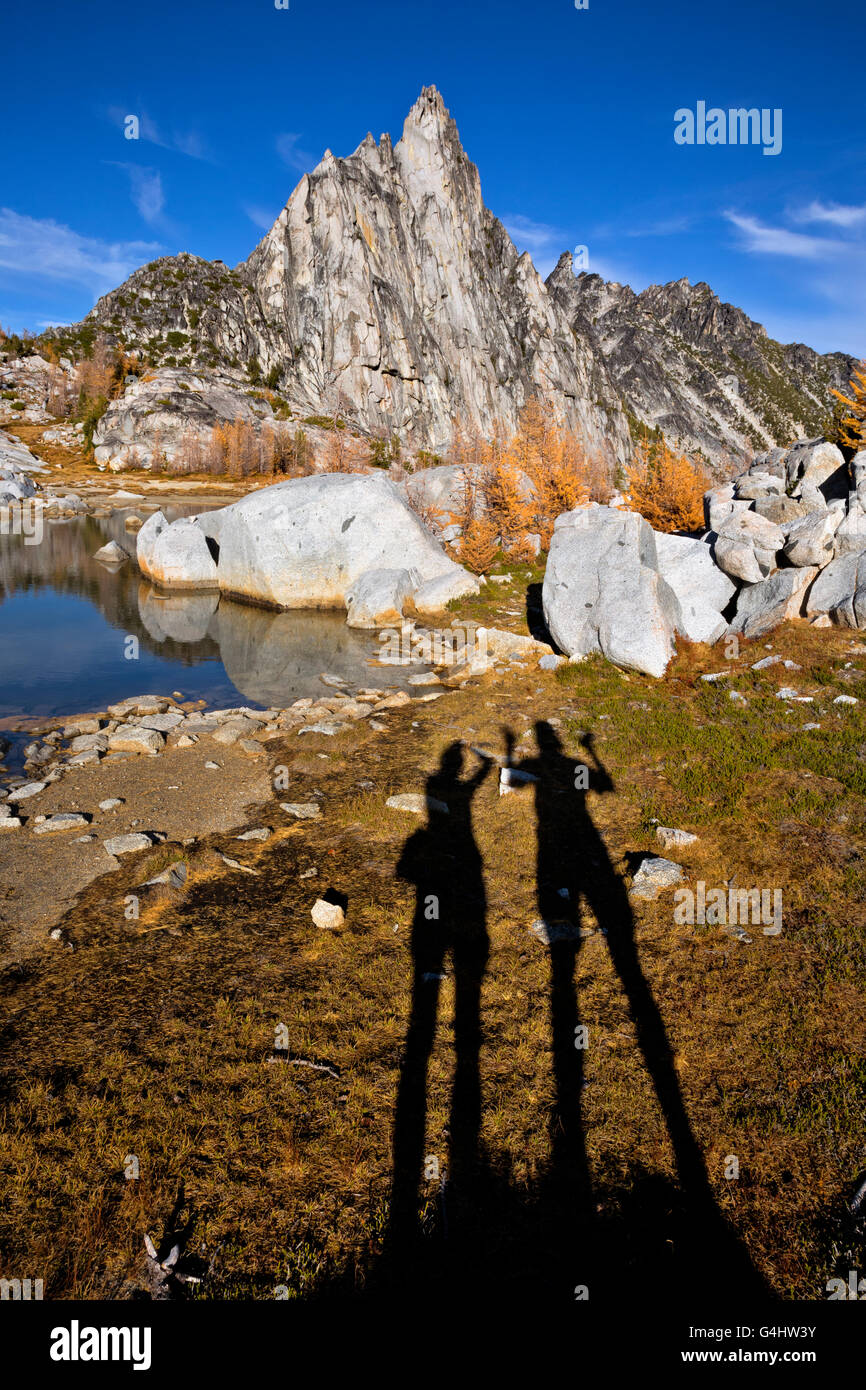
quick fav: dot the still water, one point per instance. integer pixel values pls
(66, 620)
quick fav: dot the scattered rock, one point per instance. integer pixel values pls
(111, 554)
(135, 739)
(327, 915)
(127, 844)
(302, 810)
(653, 876)
(416, 803)
(674, 839)
(61, 821)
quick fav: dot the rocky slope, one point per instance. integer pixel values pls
(699, 370)
(388, 294)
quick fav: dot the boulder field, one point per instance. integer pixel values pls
(786, 539)
(339, 540)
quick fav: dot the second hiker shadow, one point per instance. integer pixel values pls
(564, 1228)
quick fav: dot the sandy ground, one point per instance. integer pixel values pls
(172, 793)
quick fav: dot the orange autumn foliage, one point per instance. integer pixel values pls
(667, 487)
(852, 426)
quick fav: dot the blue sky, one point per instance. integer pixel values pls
(569, 115)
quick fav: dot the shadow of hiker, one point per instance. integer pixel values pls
(442, 860)
(573, 865)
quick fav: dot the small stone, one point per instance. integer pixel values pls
(654, 875)
(81, 726)
(261, 832)
(808, 727)
(430, 679)
(550, 933)
(302, 810)
(377, 726)
(111, 554)
(84, 759)
(235, 864)
(416, 803)
(673, 839)
(213, 766)
(845, 700)
(335, 681)
(765, 662)
(186, 741)
(551, 662)
(127, 844)
(327, 726)
(11, 823)
(511, 777)
(309, 873)
(111, 803)
(786, 693)
(737, 697)
(29, 789)
(85, 743)
(62, 821)
(136, 739)
(715, 675)
(327, 915)
(250, 747)
(163, 723)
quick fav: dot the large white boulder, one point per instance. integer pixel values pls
(747, 545)
(818, 462)
(840, 591)
(761, 607)
(176, 555)
(377, 598)
(811, 540)
(603, 591)
(702, 589)
(304, 543)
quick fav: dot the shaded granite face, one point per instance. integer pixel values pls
(698, 369)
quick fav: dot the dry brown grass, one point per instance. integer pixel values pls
(161, 1043)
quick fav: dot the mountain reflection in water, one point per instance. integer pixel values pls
(65, 621)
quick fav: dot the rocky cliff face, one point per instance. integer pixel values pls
(388, 294)
(699, 370)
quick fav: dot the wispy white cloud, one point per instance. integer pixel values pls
(832, 295)
(145, 188)
(837, 214)
(291, 153)
(48, 250)
(534, 237)
(666, 226)
(762, 239)
(544, 242)
(187, 142)
(262, 217)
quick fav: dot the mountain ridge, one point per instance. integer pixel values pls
(386, 292)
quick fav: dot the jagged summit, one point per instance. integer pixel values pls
(388, 292)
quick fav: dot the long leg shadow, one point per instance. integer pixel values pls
(450, 923)
(549, 1233)
(573, 864)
